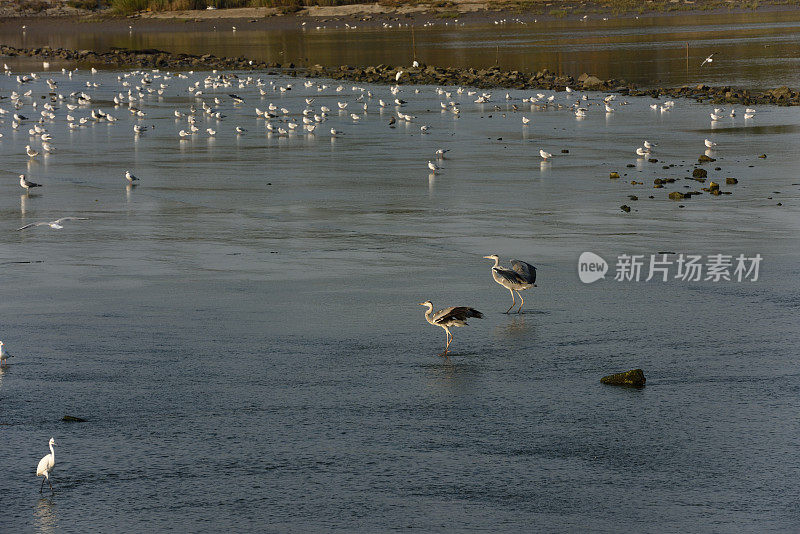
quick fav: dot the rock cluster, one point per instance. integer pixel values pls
(424, 74)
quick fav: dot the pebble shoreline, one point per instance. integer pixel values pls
(422, 75)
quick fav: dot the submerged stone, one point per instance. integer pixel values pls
(633, 378)
(72, 419)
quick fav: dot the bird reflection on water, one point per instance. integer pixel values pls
(45, 515)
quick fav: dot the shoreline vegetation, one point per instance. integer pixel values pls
(487, 78)
(445, 9)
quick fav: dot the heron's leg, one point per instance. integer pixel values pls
(42, 485)
(50, 484)
(521, 303)
(513, 300)
(447, 342)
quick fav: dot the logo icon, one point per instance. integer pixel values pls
(591, 267)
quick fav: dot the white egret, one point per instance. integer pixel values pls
(46, 466)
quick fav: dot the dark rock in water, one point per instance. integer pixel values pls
(625, 208)
(763, 156)
(731, 181)
(675, 195)
(72, 419)
(564, 151)
(614, 175)
(658, 181)
(705, 159)
(633, 197)
(699, 173)
(713, 186)
(629, 165)
(633, 378)
(652, 160)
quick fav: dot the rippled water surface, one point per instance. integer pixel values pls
(242, 332)
(754, 50)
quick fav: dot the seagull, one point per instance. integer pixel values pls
(130, 177)
(449, 317)
(520, 277)
(648, 145)
(525, 120)
(545, 155)
(707, 60)
(25, 184)
(641, 152)
(709, 143)
(31, 152)
(4, 355)
(56, 225)
(441, 152)
(432, 166)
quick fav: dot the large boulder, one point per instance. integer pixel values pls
(634, 378)
(593, 83)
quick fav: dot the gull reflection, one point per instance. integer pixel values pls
(23, 204)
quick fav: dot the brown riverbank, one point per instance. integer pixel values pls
(410, 11)
(422, 74)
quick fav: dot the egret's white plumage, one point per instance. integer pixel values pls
(46, 466)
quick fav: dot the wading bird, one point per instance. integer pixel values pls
(27, 184)
(130, 177)
(46, 465)
(520, 277)
(708, 59)
(4, 355)
(453, 316)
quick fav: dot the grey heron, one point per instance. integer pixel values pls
(520, 277)
(453, 316)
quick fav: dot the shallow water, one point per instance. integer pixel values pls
(242, 331)
(754, 50)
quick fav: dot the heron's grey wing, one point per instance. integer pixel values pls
(460, 313)
(527, 270)
(512, 277)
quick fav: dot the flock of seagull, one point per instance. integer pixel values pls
(211, 102)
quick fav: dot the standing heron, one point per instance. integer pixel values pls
(453, 316)
(46, 465)
(520, 277)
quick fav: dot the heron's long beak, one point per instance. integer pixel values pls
(488, 257)
(421, 303)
